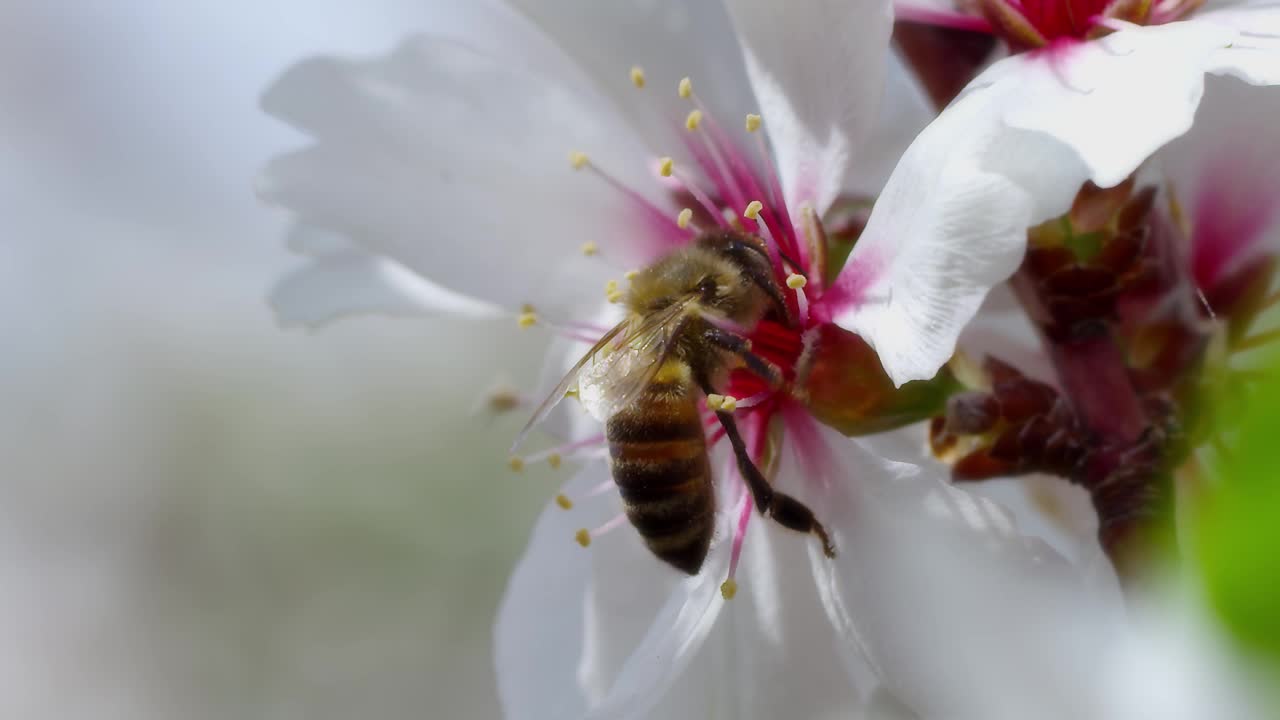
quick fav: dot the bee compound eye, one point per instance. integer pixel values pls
(707, 286)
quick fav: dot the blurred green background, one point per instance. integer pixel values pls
(201, 514)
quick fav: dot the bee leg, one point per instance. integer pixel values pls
(741, 347)
(781, 507)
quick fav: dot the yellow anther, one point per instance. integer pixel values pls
(578, 160)
(665, 166)
(583, 537)
(516, 463)
(611, 287)
(637, 76)
(684, 217)
(554, 461)
(564, 502)
(527, 308)
(685, 88)
(795, 281)
(729, 403)
(753, 122)
(630, 274)
(590, 248)
(714, 401)
(729, 588)
(614, 297)
(753, 210)
(527, 320)
(693, 119)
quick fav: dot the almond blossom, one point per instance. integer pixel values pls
(1110, 80)
(588, 140)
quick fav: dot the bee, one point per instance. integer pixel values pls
(644, 379)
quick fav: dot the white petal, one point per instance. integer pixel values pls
(962, 616)
(1254, 56)
(818, 72)
(539, 631)
(645, 622)
(903, 113)
(316, 242)
(355, 282)
(770, 652)
(950, 224)
(668, 40)
(456, 165)
(1113, 101)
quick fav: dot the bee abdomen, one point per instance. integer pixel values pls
(660, 466)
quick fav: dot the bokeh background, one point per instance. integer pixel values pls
(203, 514)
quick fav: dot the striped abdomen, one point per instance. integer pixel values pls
(660, 464)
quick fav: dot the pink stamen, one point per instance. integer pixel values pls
(745, 175)
(569, 449)
(740, 532)
(709, 139)
(802, 305)
(701, 196)
(754, 400)
(601, 488)
(612, 524)
(661, 221)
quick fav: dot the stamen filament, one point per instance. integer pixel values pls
(710, 140)
(581, 161)
(572, 449)
(730, 586)
(753, 400)
(698, 194)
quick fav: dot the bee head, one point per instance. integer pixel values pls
(749, 257)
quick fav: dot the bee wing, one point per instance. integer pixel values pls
(615, 381)
(566, 382)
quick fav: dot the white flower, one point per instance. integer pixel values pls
(1092, 96)
(447, 179)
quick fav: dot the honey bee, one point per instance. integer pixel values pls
(644, 377)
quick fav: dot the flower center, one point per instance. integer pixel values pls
(729, 184)
(1036, 24)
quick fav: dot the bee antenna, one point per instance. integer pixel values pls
(795, 266)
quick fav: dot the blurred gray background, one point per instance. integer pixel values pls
(203, 515)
